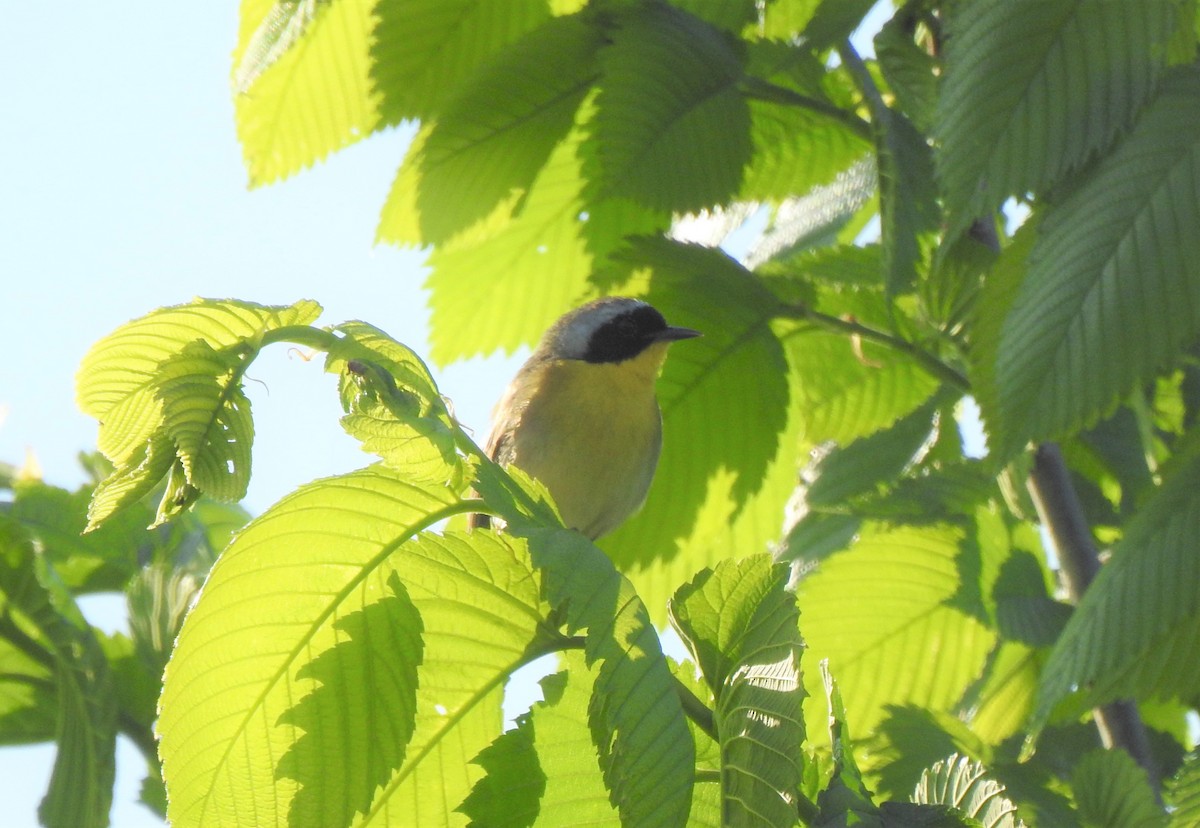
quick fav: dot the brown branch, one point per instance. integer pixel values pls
(1061, 513)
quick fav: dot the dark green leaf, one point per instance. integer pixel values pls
(1032, 91)
(672, 128)
(1108, 652)
(1113, 287)
(1111, 791)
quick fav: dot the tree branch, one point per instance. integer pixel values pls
(927, 360)
(1062, 514)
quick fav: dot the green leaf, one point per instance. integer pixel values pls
(963, 784)
(673, 129)
(716, 488)
(867, 462)
(98, 561)
(510, 793)
(126, 361)
(1111, 653)
(911, 72)
(424, 52)
(1032, 91)
(1113, 288)
(304, 86)
(834, 20)
(554, 735)
(330, 583)
(494, 137)
(742, 628)
(393, 405)
(908, 741)
(167, 391)
(1111, 791)
(908, 198)
(207, 416)
(1183, 793)
(795, 148)
(542, 247)
(846, 800)
(80, 790)
(281, 29)
(637, 722)
(887, 615)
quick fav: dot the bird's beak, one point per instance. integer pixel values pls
(674, 334)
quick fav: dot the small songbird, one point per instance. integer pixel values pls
(581, 415)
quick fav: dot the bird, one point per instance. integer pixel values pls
(582, 416)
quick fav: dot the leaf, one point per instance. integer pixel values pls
(846, 800)
(494, 137)
(554, 735)
(637, 723)
(1113, 288)
(80, 790)
(167, 391)
(207, 416)
(834, 20)
(742, 627)
(283, 27)
(795, 148)
(888, 615)
(94, 562)
(393, 405)
(963, 784)
(862, 465)
(424, 52)
(330, 584)
(303, 83)
(1110, 653)
(542, 247)
(1111, 791)
(672, 128)
(908, 198)
(911, 72)
(1183, 793)
(511, 790)
(1033, 91)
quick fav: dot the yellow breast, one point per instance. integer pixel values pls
(591, 433)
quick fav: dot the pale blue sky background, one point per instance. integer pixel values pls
(121, 190)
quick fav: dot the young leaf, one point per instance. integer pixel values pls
(1111, 791)
(1183, 793)
(846, 800)
(1113, 288)
(1109, 652)
(742, 628)
(672, 127)
(393, 405)
(963, 784)
(167, 391)
(1032, 91)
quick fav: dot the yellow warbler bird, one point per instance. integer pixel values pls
(582, 416)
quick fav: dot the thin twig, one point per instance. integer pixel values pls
(927, 360)
(762, 90)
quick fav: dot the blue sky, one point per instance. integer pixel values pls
(122, 189)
